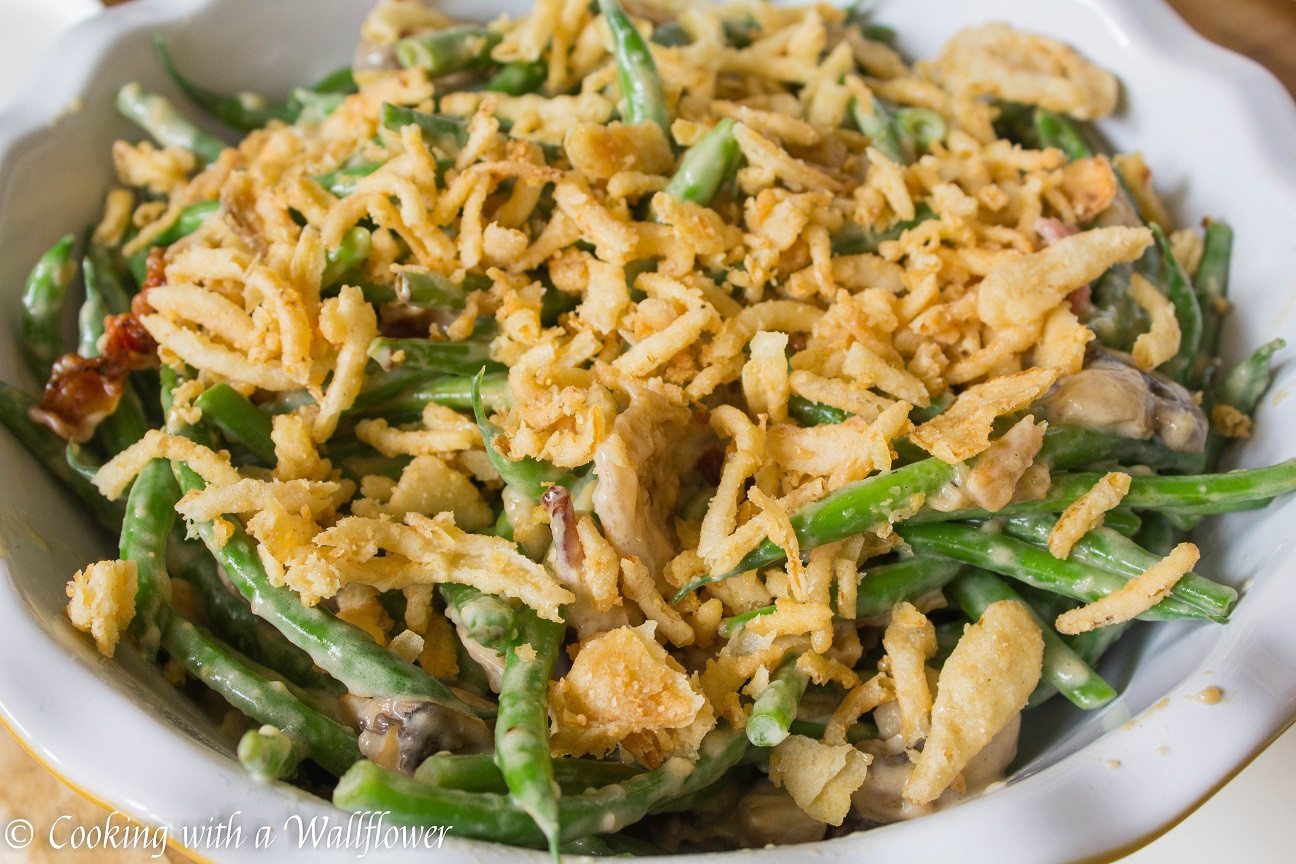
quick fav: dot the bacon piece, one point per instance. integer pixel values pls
(1050, 231)
(82, 391)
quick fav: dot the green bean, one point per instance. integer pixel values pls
(809, 413)
(1030, 564)
(1157, 534)
(486, 619)
(50, 451)
(1108, 549)
(776, 706)
(435, 291)
(326, 741)
(707, 166)
(149, 515)
(150, 512)
(238, 626)
(1212, 281)
(449, 358)
(882, 587)
(342, 182)
(1246, 383)
(854, 239)
(160, 119)
(104, 273)
(1179, 289)
(671, 34)
(642, 100)
(125, 425)
(402, 393)
(1067, 447)
(850, 510)
(923, 126)
(447, 134)
(528, 475)
(314, 108)
(443, 52)
(42, 312)
(350, 253)
(268, 754)
(519, 77)
(861, 730)
(878, 123)
(1057, 130)
(367, 787)
(237, 419)
(1189, 494)
(1063, 670)
(190, 220)
(244, 112)
(477, 772)
(522, 725)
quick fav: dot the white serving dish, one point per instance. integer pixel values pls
(1217, 129)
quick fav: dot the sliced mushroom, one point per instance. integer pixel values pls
(399, 734)
(1111, 395)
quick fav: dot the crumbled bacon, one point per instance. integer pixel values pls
(154, 270)
(82, 391)
(1050, 231)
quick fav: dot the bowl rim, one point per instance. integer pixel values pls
(1151, 27)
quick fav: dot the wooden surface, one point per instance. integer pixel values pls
(1264, 30)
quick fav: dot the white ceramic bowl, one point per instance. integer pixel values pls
(1221, 136)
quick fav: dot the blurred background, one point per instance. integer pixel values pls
(1249, 819)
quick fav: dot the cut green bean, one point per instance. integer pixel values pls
(642, 100)
(237, 625)
(1212, 281)
(882, 587)
(477, 772)
(42, 307)
(1063, 670)
(854, 239)
(447, 134)
(268, 754)
(1108, 549)
(519, 77)
(707, 166)
(776, 706)
(244, 112)
(349, 254)
(486, 619)
(1030, 564)
(522, 725)
(528, 475)
(1246, 383)
(923, 126)
(1059, 131)
(160, 119)
(237, 419)
(190, 220)
(444, 52)
(448, 358)
(850, 510)
(1179, 289)
(877, 121)
(1189, 494)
